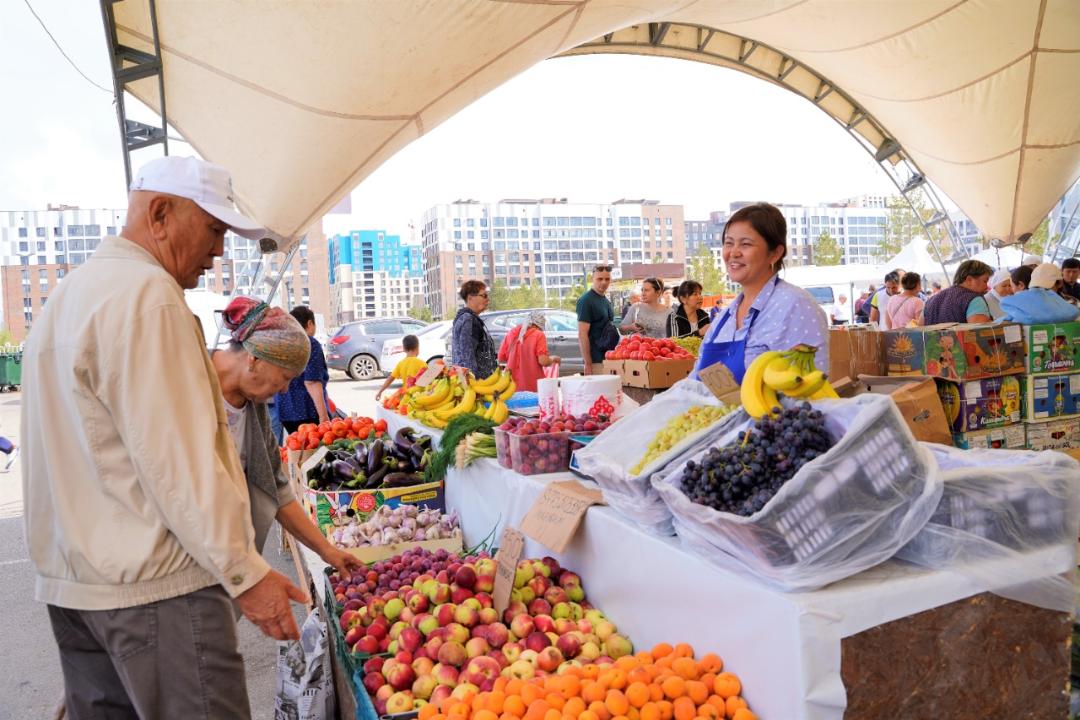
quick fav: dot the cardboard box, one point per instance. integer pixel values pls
(323, 505)
(917, 400)
(648, 374)
(956, 352)
(1010, 437)
(1053, 434)
(1052, 396)
(1052, 348)
(856, 351)
(374, 553)
(982, 404)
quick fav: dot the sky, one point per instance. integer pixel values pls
(590, 129)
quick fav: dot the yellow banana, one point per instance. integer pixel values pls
(811, 384)
(757, 398)
(436, 396)
(432, 421)
(490, 410)
(487, 385)
(824, 392)
(500, 413)
(504, 382)
(782, 375)
(468, 402)
(510, 390)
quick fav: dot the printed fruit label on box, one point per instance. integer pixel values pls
(956, 352)
(1053, 435)
(1010, 437)
(981, 404)
(1053, 347)
(1050, 396)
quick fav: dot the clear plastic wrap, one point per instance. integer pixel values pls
(1008, 521)
(609, 457)
(848, 510)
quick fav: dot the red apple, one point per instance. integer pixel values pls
(401, 676)
(367, 645)
(537, 641)
(354, 634)
(441, 693)
(480, 669)
(422, 666)
(452, 653)
(477, 646)
(445, 614)
(549, 659)
(512, 651)
(466, 616)
(446, 675)
(497, 634)
(513, 610)
(373, 681)
(465, 576)
(399, 702)
(488, 616)
(423, 686)
(459, 595)
(555, 595)
(522, 625)
(544, 623)
(539, 606)
(569, 645)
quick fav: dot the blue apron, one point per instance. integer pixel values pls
(731, 353)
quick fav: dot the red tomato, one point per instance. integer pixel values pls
(329, 438)
(380, 426)
(293, 443)
(364, 433)
(648, 355)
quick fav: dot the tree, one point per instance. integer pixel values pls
(903, 226)
(704, 269)
(518, 298)
(1040, 240)
(657, 259)
(421, 312)
(826, 250)
(569, 300)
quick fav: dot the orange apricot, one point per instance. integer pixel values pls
(710, 712)
(593, 691)
(667, 711)
(590, 671)
(726, 685)
(656, 692)
(553, 714)
(555, 700)
(685, 709)
(538, 710)
(718, 702)
(684, 650)
(697, 691)
(660, 650)
(513, 687)
(617, 679)
(685, 668)
(650, 711)
(574, 706)
(674, 687)
(484, 715)
(616, 702)
(733, 704)
(744, 714)
(427, 712)
(627, 663)
(496, 700)
(460, 708)
(600, 709)
(637, 693)
(531, 693)
(710, 663)
(587, 715)
(515, 705)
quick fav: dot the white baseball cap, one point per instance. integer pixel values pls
(1045, 275)
(207, 185)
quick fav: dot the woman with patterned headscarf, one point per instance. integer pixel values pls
(267, 348)
(525, 351)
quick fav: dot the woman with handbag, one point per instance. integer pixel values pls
(905, 309)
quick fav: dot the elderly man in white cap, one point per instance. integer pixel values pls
(1040, 303)
(137, 510)
(1000, 287)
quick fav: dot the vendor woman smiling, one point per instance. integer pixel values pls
(769, 313)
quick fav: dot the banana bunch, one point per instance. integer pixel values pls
(791, 373)
(455, 395)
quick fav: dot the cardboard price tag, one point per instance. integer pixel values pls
(311, 462)
(433, 371)
(511, 546)
(721, 383)
(555, 516)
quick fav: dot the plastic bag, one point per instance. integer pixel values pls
(843, 512)
(609, 457)
(1008, 520)
(305, 681)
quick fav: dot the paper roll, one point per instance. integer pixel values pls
(547, 397)
(591, 395)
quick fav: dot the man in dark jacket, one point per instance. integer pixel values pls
(471, 343)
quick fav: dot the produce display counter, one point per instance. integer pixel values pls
(886, 637)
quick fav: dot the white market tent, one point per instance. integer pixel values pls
(303, 100)
(918, 257)
(1006, 257)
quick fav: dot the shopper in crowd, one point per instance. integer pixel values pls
(267, 349)
(935, 287)
(137, 514)
(596, 329)
(688, 318)
(769, 313)
(963, 301)
(524, 350)
(840, 314)
(471, 343)
(649, 317)
(305, 400)
(1039, 303)
(1070, 273)
(905, 308)
(409, 366)
(1000, 287)
(1021, 277)
(633, 299)
(862, 306)
(880, 299)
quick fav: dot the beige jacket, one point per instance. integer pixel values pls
(132, 486)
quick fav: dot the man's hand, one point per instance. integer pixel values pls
(345, 562)
(266, 604)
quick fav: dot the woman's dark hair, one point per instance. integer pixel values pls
(303, 315)
(471, 287)
(687, 288)
(970, 269)
(410, 343)
(657, 284)
(1022, 275)
(767, 221)
(911, 281)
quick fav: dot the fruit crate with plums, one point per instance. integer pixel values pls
(536, 447)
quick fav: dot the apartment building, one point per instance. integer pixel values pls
(550, 242)
(373, 274)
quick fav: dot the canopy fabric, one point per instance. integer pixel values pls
(916, 257)
(302, 100)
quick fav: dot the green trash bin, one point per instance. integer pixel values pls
(11, 370)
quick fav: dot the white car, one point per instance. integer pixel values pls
(434, 340)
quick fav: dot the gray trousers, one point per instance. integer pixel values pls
(176, 658)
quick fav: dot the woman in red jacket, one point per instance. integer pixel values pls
(525, 351)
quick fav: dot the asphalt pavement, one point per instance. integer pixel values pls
(31, 685)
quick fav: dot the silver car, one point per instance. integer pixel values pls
(357, 346)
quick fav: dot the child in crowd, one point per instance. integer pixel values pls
(407, 367)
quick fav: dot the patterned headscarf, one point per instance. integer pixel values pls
(537, 318)
(268, 333)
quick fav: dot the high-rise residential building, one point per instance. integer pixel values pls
(548, 242)
(38, 248)
(373, 274)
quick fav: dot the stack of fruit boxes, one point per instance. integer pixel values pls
(979, 373)
(1052, 386)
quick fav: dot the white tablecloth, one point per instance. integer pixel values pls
(784, 646)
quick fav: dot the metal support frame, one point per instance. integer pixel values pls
(129, 65)
(758, 59)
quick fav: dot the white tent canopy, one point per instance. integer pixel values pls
(1006, 257)
(302, 101)
(917, 257)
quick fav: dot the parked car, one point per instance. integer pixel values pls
(434, 340)
(357, 346)
(562, 337)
